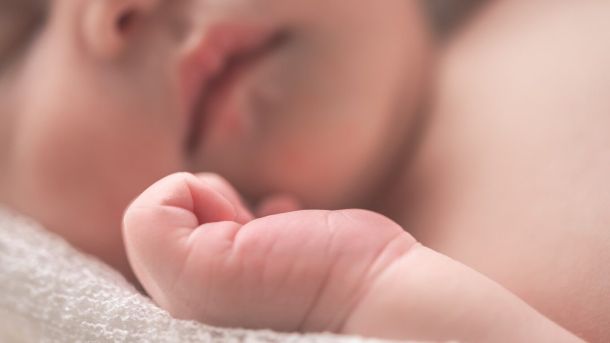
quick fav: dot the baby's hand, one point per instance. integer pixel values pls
(201, 255)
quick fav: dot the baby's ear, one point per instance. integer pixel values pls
(107, 24)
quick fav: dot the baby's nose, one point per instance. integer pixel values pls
(108, 24)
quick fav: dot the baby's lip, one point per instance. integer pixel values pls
(206, 59)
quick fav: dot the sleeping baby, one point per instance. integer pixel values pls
(495, 162)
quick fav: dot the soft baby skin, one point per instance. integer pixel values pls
(201, 255)
(495, 159)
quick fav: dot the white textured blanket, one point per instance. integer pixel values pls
(50, 292)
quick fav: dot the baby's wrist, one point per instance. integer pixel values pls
(427, 296)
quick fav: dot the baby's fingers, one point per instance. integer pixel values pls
(159, 223)
(222, 186)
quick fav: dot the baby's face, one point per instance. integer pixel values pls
(100, 98)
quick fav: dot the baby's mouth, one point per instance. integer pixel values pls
(212, 71)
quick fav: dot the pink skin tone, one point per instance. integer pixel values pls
(509, 177)
(93, 112)
(202, 255)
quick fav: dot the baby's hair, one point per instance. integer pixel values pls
(20, 22)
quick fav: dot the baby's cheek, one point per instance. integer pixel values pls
(52, 167)
(57, 180)
(76, 171)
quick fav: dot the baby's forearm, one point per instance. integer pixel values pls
(426, 295)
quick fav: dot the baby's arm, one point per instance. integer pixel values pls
(200, 255)
(425, 295)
